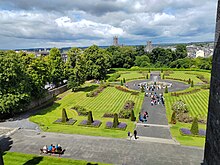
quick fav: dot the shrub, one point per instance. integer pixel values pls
(161, 70)
(192, 85)
(147, 77)
(125, 114)
(133, 118)
(80, 110)
(173, 118)
(180, 107)
(114, 77)
(189, 81)
(195, 127)
(115, 121)
(90, 118)
(166, 90)
(64, 116)
(155, 83)
(124, 81)
(149, 70)
(142, 88)
(107, 114)
(95, 92)
(129, 104)
(163, 77)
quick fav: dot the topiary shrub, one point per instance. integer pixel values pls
(124, 81)
(163, 77)
(192, 85)
(142, 88)
(133, 118)
(161, 70)
(195, 127)
(147, 76)
(64, 116)
(90, 118)
(115, 121)
(189, 81)
(166, 90)
(149, 70)
(173, 118)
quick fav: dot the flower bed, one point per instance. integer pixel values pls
(80, 110)
(187, 132)
(69, 122)
(185, 93)
(124, 89)
(96, 123)
(178, 79)
(121, 126)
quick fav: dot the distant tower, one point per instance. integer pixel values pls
(149, 47)
(115, 41)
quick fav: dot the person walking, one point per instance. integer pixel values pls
(135, 134)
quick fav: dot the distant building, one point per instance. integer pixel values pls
(149, 47)
(200, 53)
(115, 41)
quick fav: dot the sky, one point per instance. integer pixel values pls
(78, 23)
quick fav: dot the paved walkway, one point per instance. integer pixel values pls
(108, 150)
(157, 113)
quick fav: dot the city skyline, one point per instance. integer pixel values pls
(32, 24)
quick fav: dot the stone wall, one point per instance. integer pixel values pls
(212, 145)
(48, 99)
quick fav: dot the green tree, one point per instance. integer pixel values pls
(195, 127)
(173, 118)
(166, 90)
(133, 118)
(189, 81)
(122, 83)
(90, 118)
(64, 116)
(115, 121)
(192, 84)
(56, 66)
(181, 51)
(78, 74)
(15, 89)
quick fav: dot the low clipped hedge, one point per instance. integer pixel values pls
(98, 90)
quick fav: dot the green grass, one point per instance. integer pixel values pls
(15, 158)
(185, 75)
(109, 100)
(198, 106)
(132, 75)
(187, 140)
(196, 102)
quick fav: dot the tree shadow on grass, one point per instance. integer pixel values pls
(87, 88)
(48, 109)
(5, 144)
(35, 160)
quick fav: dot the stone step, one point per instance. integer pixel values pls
(156, 140)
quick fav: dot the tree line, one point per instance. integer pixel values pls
(23, 76)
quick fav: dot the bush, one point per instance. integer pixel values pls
(133, 118)
(125, 114)
(189, 81)
(195, 127)
(115, 121)
(173, 118)
(95, 92)
(64, 116)
(192, 85)
(161, 70)
(166, 90)
(180, 107)
(163, 77)
(114, 77)
(80, 110)
(124, 81)
(147, 77)
(142, 88)
(90, 118)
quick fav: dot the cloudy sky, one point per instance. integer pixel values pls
(63, 23)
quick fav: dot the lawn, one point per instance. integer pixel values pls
(185, 75)
(109, 100)
(198, 106)
(196, 102)
(14, 158)
(132, 75)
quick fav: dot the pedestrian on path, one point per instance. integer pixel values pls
(135, 134)
(129, 135)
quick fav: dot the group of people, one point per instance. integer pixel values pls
(52, 148)
(155, 98)
(143, 117)
(135, 134)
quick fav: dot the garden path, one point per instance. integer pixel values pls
(157, 124)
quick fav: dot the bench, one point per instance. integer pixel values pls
(50, 152)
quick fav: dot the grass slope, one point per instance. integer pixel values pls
(109, 100)
(15, 158)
